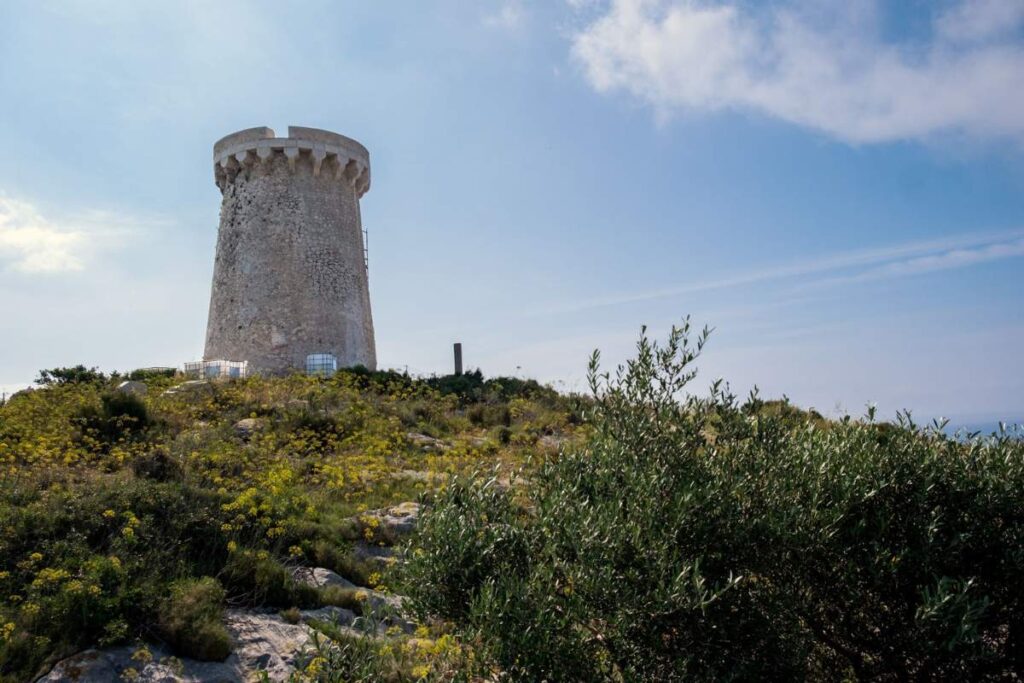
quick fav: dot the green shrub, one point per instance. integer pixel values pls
(158, 465)
(344, 562)
(348, 598)
(78, 374)
(151, 374)
(471, 536)
(191, 619)
(262, 580)
(487, 415)
(696, 538)
(343, 656)
(119, 416)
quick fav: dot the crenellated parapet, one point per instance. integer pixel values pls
(305, 149)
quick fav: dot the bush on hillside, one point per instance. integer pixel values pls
(79, 374)
(119, 416)
(696, 538)
(151, 374)
(191, 619)
(262, 580)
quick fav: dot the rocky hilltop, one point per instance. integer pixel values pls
(161, 528)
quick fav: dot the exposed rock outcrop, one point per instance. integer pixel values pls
(393, 522)
(262, 642)
(133, 388)
(248, 426)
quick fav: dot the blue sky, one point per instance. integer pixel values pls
(837, 188)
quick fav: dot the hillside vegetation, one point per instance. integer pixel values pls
(640, 533)
(113, 507)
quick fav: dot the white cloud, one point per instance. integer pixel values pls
(901, 260)
(829, 70)
(510, 16)
(30, 243)
(979, 20)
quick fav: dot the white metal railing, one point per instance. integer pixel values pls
(214, 369)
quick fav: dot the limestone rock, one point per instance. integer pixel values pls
(263, 642)
(384, 608)
(191, 386)
(372, 554)
(319, 577)
(402, 518)
(132, 387)
(248, 426)
(393, 522)
(426, 443)
(338, 616)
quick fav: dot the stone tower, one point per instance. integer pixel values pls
(290, 276)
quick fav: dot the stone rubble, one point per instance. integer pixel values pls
(426, 443)
(263, 640)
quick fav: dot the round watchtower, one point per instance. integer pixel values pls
(290, 276)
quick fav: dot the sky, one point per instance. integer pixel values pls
(837, 188)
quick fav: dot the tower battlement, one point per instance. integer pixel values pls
(319, 151)
(289, 279)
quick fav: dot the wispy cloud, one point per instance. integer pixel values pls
(825, 66)
(510, 15)
(33, 244)
(901, 260)
(945, 260)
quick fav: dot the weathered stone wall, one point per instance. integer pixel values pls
(290, 278)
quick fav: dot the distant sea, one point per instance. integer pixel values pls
(985, 428)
